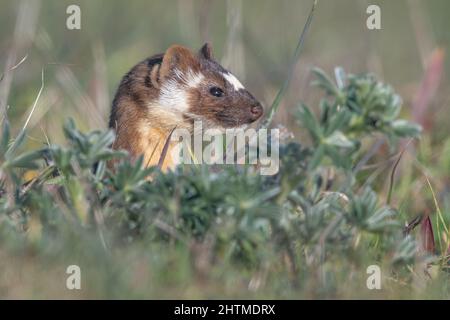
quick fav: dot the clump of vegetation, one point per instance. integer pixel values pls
(311, 230)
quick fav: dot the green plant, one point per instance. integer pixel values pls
(297, 224)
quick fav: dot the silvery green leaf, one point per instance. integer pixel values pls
(339, 139)
(404, 128)
(324, 82)
(340, 76)
(308, 120)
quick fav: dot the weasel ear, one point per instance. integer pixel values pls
(177, 58)
(206, 51)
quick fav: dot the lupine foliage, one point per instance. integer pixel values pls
(291, 230)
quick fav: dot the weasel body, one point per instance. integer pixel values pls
(172, 90)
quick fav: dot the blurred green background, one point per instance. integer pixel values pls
(253, 38)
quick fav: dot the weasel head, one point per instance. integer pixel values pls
(197, 87)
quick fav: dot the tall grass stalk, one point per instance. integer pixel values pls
(276, 103)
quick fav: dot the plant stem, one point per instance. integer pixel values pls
(276, 103)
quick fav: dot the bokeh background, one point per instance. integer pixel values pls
(253, 38)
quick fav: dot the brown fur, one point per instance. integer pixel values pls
(143, 126)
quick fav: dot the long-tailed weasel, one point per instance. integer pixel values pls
(171, 90)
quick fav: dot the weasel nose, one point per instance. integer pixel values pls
(256, 111)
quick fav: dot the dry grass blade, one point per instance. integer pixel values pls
(440, 221)
(35, 101)
(276, 103)
(165, 149)
(151, 155)
(23, 36)
(14, 67)
(394, 169)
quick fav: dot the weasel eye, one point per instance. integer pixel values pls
(216, 92)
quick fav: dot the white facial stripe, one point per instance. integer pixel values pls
(190, 78)
(234, 81)
(173, 94)
(194, 80)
